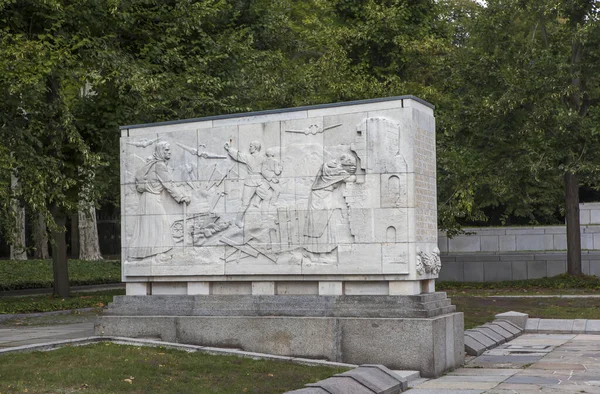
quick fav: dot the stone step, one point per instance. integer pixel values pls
(314, 306)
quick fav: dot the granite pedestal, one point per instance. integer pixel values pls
(421, 332)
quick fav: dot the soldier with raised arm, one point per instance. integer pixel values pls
(256, 186)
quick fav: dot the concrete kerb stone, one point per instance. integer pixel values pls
(556, 325)
(403, 381)
(592, 327)
(169, 345)
(517, 318)
(532, 325)
(492, 334)
(473, 347)
(309, 390)
(515, 330)
(500, 331)
(481, 338)
(368, 378)
(341, 385)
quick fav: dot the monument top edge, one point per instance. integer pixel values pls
(282, 110)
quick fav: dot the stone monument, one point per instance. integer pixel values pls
(309, 231)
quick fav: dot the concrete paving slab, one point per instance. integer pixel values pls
(558, 366)
(446, 385)
(482, 372)
(537, 380)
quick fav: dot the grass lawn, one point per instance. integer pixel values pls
(31, 274)
(481, 309)
(111, 368)
(48, 303)
(478, 302)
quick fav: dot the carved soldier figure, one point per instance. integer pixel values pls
(152, 235)
(324, 214)
(255, 185)
(271, 170)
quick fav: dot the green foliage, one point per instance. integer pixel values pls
(524, 111)
(32, 274)
(558, 282)
(50, 303)
(130, 369)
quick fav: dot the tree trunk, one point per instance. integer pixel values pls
(75, 237)
(573, 226)
(89, 243)
(18, 244)
(40, 237)
(60, 266)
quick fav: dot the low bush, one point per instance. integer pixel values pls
(34, 274)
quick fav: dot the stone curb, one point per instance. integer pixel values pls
(489, 336)
(548, 296)
(367, 379)
(562, 326)
(42, 314)
(169, 345)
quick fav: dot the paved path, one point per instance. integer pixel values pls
(532, 363)
(11, 337)
(73, 289)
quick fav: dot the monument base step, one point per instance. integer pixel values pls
(431, 345)
(376, 306)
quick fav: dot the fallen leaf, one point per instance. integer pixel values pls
(100, 304)
(128, 381)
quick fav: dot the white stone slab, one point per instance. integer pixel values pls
(198, 288)
(133, 288)
(339, 193)
(263, 288)
(166, 288)
(331, 288)
(354, 108)
(143, 131)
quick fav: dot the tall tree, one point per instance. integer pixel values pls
(525, 115)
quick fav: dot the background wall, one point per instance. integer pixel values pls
(514, 253)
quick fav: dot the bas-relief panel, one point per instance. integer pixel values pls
(307, 196)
